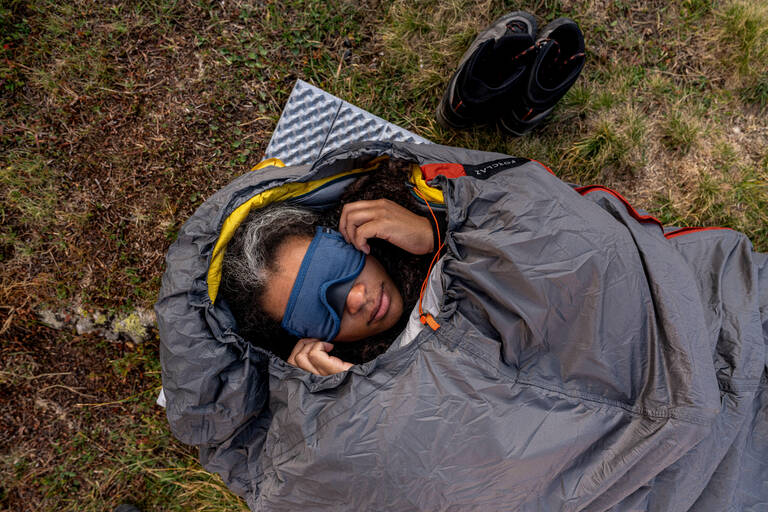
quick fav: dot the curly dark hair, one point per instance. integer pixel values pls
(407, 271)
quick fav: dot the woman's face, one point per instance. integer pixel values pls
(374, 303)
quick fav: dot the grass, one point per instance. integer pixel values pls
(106, 452)
(745, 32)
(679, 134)
(119, 119)
(756, 92)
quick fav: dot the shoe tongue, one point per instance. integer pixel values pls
(494, 68)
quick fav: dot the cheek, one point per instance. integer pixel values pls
(373, 272)
(351, 329)
(396, 308)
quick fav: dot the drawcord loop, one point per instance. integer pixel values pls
(428, 319)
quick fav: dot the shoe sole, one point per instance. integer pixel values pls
(442, 119)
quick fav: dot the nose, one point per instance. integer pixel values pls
(356, 298)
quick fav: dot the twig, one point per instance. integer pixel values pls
(115, 91)
(7, 323)
(33, 377)
(261, 118)
(57, 374)
(141, 91)
(73, 390)
(154, 388)
(338, 69)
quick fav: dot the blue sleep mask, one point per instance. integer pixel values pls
(319, 294)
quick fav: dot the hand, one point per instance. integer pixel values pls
(389, 221)
(311, 354)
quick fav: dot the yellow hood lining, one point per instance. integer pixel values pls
(282, 193)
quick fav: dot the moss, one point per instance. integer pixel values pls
(131, 326)
(99, 318)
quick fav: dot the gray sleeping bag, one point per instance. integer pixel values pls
(586, 359)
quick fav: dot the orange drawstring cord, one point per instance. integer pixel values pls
(428, 319)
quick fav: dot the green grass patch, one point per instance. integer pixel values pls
(29, 188)
(756, 93)
(745, 27)
(612, 146)
(739, 202)
(679, 133)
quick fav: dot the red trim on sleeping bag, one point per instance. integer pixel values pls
(449, 170)
(544, 166)
(630, 209)
(685, 231)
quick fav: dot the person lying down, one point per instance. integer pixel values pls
(298, 279)
(582, 356)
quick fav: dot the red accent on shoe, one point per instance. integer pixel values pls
(527, 114)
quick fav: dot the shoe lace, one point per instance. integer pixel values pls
(517, 26)
(556, 61)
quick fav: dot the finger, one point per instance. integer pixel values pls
(318, 356)
(301, 344)
(295, 350)
(373, 229)
(303, 355)
(362, 211)
(303, 362)
(343, 220)
(325, 363)
(354, 218)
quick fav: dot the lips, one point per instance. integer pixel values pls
(381, 307)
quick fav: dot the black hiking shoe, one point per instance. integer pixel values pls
(126, 507)
(491, 70)
(559, 61)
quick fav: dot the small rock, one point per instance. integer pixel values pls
(736, 130)
(146, 317)
(135, 326)
(84, 325)
(50, 319)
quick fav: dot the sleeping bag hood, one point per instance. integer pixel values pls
(581, 356)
